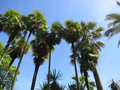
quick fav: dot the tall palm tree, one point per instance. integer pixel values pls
(35, 23)
(53, 38)
(88, 48)
(40, 50)
(12, 26)
(72, 35)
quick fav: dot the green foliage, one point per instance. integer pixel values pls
(81, 83)
(11, 22)
(91, 25)
(71, 31)
(19, 44)
(8, 79)
(115, 24)
(35, 22)
(89, 45)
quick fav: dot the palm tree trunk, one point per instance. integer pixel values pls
(34, 77)
(14, 79)
(11, 62)
(49, 66)
(75, 67)
(76, 74)
(97, 79)
(86, 79)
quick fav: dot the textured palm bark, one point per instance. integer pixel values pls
(86, 79)
(49, 67)
(34, 77)
(97, 79)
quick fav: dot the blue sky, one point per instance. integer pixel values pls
(60, 10)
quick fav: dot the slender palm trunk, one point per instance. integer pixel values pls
(34, 77)
(86, 79)
(14, 79)
(75, 67)
(11, 62)
(49, 66)
(97, 79)
(76, 74)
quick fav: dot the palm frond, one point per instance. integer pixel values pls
(91, 25)
(118, 3)
(43, 86)
(112, 31)
(99, 29)
(56, 75)
(113, 17)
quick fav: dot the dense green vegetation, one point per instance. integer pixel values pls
(83, 38)
(6, 84)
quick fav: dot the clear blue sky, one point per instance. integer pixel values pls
(60, 10)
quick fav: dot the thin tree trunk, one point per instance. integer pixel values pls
(86, 79)
(14, 79)
(49, 66)
(75, 67)
(11, 62)
(97, 79)
(34, 77)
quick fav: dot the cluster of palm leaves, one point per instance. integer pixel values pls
(81, 83)
(54, 84)
(114, 85)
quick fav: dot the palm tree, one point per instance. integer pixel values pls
(11, 25)
(88, 48)
(114, 25)
(52, 39)
(72, 35)
(54, 78)
(35, 24)
(114, 86)
(40, 50)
